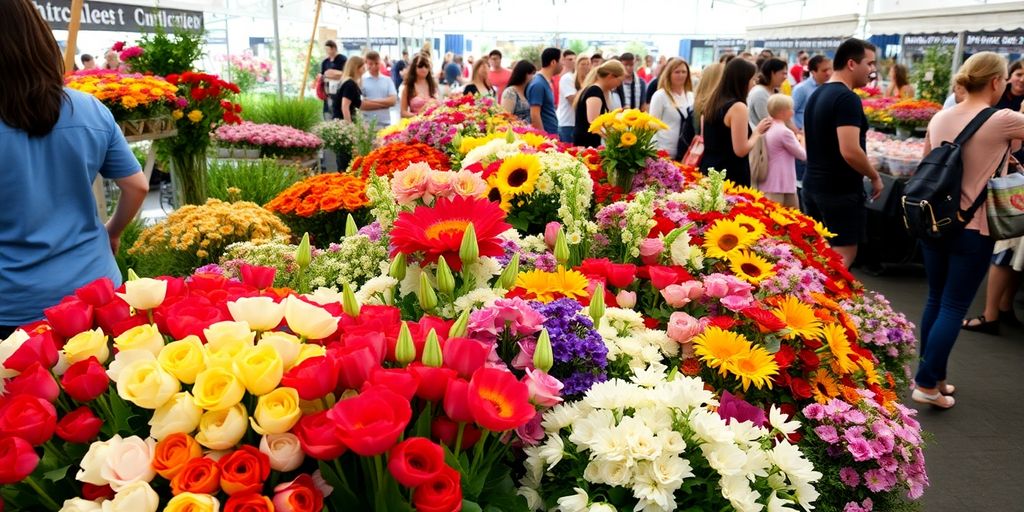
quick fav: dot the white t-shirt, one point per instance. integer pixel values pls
(566, 87)
(662, 108)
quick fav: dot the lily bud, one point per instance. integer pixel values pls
(303, 255)
(597, 305)
(351, 228)
(427, 295)
(561, 248)
(432, 351)
(469, 251)
(461, 325)
(507, 279)
(405, 349)
(398, 265)
(348, 300)
(543, 358)
(445, 279)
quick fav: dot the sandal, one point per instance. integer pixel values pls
(937, 400)
(981, 324)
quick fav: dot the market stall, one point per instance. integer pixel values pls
(818, 35)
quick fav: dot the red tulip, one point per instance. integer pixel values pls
(443, 494)
(415, 461)
(801, 389)
(370, 423)
(28, 417)
(499, 402)
(94, 492)
(313, 378)
(111, 314)
(70, 317)
(97, 293)
(85, 380)
(465, 355)
(191, 316)
(37, 381)
(456, 401)
(17, 459)
(663, 276)
(79, 426)
(375, 341)
(354, 365)
(809, 358)
(256, 276)
(318, 436)
(400, 380)
(447, 431)
(206, 282)
(433, 381)
(39, 348)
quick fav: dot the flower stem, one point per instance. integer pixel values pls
(458, 440)
(46, 499)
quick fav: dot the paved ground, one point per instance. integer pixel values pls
(976, 455)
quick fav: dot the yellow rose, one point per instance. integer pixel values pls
(179, 415)
(144, 293)
(217, 389)
(191, 502)
(220, 430)
(309, 350)
(145, 384)
(307, 320)
(224, 333)
(183, 358)
(287, 346)
(277, 412)
(261, 313)
(223, 356)
(87, 344)
(260, 369)
(143, 337)
(195, 116)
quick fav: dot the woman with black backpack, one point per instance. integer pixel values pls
(956, 263)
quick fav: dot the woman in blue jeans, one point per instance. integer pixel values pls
(956, 266)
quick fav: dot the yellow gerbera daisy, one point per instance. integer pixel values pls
(754, 226)
(533, 139)
(732, 188)
(627, 139)
(755, 366)
(718, 347)
(548, 286)
(632, 116)
(799, 317)
(725, 237)
(518, 174)
(750, 267)
(823, 386)
(870, 373)
(822, 230)
(839, 345)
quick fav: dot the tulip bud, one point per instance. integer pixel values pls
(561, 248)
(543, 358)
(445, 279)
(510, 136)
(348, 300)
(351, 228)
(432, 351)
(132, 276)
(461, 325)
(405, 349)
(457, 141)
(469, 251)
(507, 279)
(625, 299)
(303, 255)
(398, 265)
(597, 305)
(427, 296)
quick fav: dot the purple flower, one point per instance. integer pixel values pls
(849, 476)
(579, 351)
(827, 433)
(732, 409)
(852, 507)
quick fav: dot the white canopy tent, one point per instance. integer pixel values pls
(1003, 16)
(844, 25)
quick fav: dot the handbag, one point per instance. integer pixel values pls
(687, 131)
(758, 161)
(696, 149)
(1005, 206)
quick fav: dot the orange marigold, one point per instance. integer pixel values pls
(321, 193)
(389, 159)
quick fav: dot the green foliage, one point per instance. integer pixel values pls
(637, 48)
(932, 76)
(257, 181)
(578, 46)
(130, 234)
(531, 53)
(344, 138)
(164, 54)
(265, 108)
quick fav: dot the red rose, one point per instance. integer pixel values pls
(499, 402)
(39, 348)
(456, 401)
(415, 461)
(399, 380)
(651, 323)
(94, 492)
(370, 423)
(37, 381)
(200, 475)
(662, 276)
(28, 417)
(662, 226)
(443, 494)
(70, 317)
(621, 275)
(79, 426)
(354, 364)
(248, 502)
(85, 380)
(318, 436)
(809, 358)
(97, 293)
(111, 314)
(299, 495)
(465, 355)
(801, 389)
(785, 356)
(433, 381)
(312, 378)
(191, 316)
(244, 470)
(447, 431)
(17, 459)
(256, 276)
(781, 379)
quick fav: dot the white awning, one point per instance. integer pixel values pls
(833, 26)
(1004, 16)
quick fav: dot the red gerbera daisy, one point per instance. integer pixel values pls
(437, 231)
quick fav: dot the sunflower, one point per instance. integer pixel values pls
(518, 174)
(548, 286)
(718, 347)
(754, 365)
(823, 386)
(436, 231)
(734, 189)
(754, 226)
(627, 139)
(839, 345)
(750, 267)
(799, 318)
(495, 195)
(724, 237)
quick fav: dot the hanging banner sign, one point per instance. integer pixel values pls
(118, 17)
(721, 43)
(824, 43)
(1010, 41)
(929, 40)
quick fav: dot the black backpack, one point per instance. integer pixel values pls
(931, 199)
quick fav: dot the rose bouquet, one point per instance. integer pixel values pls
(128, 96)
(273, 141)
(628, 142)
(320, 205)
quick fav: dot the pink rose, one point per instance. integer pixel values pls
(410, 184)
(524, 359)
(683, 327)
(626, 300)
(551, 234)
(544, 389)
(675, 296)
(650, 250)
(532, 432)
(439, 183)
(737, 302)
(468, 184)
(716, 285)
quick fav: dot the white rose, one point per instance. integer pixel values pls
(262, 313)
(287, 346)
(144, 293)
(93, 461)
(228, 333)
(179, 414)
(284, 451)
(220, 430)
(127, 461)
(124, 359)
(305, 319)
(670, 471)
(576, 503)
(614, 473)
(80, 505)
(134, 497)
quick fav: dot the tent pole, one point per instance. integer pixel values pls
(277, 46)
(367, 12)
(958, 55)
(309, 50)
(73, 25)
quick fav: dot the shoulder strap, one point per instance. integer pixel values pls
(978, 201)
(974, 125)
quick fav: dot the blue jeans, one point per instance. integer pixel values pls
(565, 133)
(955, 270)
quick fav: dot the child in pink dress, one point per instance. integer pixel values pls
(783, 149)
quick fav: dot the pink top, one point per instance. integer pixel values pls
(783, 152)
(982, 153)
(418, 103)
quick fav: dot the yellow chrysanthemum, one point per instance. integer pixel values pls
(627, 139)
(177, 114)
(839, 345)
(754, 366)
(823, 386)
(750, 267)
(195, 116)
(754, 226)
(533, 139)
(718, 347)
(518, 174)
(548, 286)
(725, 237)
(799, 318)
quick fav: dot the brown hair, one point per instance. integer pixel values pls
(482, 63)
(410, 78)
(33, 77)
(665, 78)
(900, 75)
(709, 79)
(608, 68)
(372, 55)
(976, 73)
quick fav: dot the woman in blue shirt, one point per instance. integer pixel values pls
(53, 143)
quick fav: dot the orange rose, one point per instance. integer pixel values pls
(200, 476)
(244, 470)
(248, 502)
(173, 453)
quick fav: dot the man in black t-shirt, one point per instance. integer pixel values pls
(335, 61)
(398, 67)
(837, 164)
